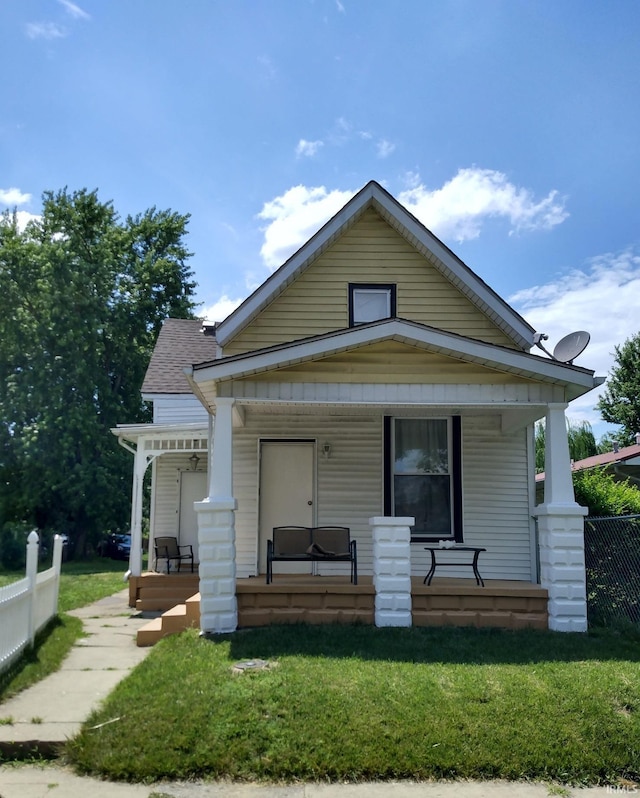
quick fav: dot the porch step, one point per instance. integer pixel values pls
(159, 603)
(159, 592)
(150, 633)
(175, 620)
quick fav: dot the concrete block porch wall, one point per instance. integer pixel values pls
(392, 570)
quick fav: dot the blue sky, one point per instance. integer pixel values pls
(510, 128)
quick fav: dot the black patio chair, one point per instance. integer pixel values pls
(167, 548)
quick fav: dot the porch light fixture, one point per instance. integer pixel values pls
(194, 460)
(326, 450)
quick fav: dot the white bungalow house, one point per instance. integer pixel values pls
(374, 381)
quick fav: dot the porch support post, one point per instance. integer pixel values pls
(139, 468)
(392, 570)
(216, 531)
(561, 532)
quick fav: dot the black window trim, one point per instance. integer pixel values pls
(390, 287)
(456, 475)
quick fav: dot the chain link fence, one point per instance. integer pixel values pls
(612, 559)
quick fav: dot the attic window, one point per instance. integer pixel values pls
(371, 302)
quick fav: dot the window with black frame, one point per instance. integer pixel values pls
(424, 475)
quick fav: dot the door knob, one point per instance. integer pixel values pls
(309, 502)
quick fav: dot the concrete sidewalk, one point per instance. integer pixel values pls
(53, 710)
(50, 712)
(56, 782)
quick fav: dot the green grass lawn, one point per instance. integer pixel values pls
(81, 583)
(355, 703)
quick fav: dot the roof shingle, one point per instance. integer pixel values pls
(181, 343)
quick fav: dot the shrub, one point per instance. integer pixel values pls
(604, 495)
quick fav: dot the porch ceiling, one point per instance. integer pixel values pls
(511, 418)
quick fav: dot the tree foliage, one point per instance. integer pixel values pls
(620, 402)
(84, 295)
(582, 442)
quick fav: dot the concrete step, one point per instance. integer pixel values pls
(175, 620)
(150, 633)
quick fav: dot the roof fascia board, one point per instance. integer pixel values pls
(409, 332)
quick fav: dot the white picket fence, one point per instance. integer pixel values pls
(28, 605)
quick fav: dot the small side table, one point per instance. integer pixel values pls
(434, 563)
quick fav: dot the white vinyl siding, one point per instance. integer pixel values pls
(350, 489)
(348, 484)
(370, 252)
(178, 409)
(495, 493)
(166, 509)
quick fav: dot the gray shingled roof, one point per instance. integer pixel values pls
(181, 343)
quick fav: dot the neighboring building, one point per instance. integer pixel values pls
(373, 376)
(623, 464)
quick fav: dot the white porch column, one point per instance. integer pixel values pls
(139, 469)
(561, 532)
(216, 530)
(558, 484)
(392, 570)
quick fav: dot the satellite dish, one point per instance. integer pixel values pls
(568, 348)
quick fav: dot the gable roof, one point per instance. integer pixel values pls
(180, 343)
(577, 380)
(413, 231)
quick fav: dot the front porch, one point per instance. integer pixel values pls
(448, 601)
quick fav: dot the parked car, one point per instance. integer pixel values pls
(118, 547)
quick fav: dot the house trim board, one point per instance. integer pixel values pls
(577, 380)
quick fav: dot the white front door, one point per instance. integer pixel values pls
(286, 495)
(193, 488)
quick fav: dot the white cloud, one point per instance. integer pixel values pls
(385, 148)
(22, 218)
(602, 298)
(13, 196)
(294, 217)
(308, 148)
(45, 30)
(458, 209)
(73, 10)
(221, 309)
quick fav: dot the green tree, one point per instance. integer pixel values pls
(582, 442)
(620, 403)
(84, 295)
